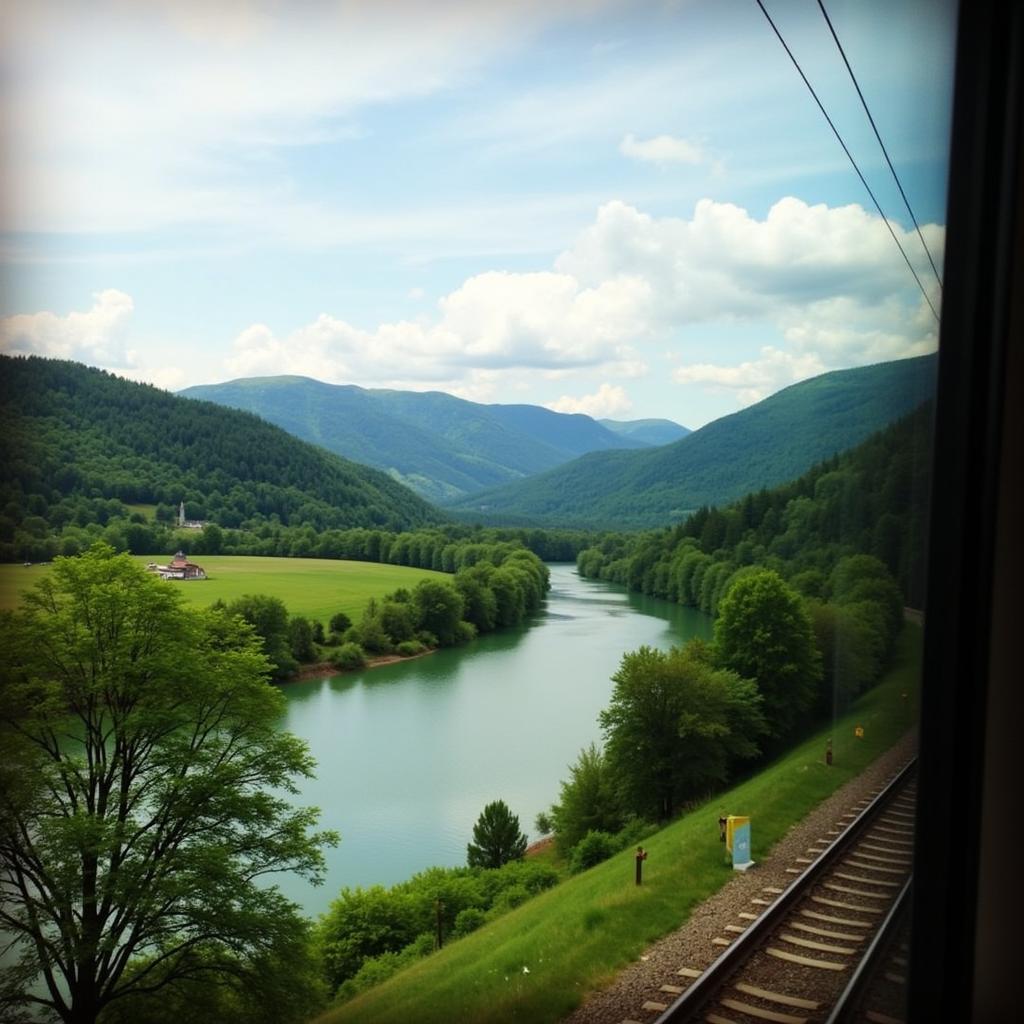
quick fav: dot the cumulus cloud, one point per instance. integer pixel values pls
(754, 379)
(826, 281)
(608, 400)
(99, 335)
(662, 149)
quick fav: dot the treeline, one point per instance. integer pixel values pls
(34, 531)
(681, 723)
(369, 934)
(75, 439)
(494, 586)
(870, 500)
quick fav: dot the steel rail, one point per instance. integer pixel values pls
(742, 947)
(864, 970)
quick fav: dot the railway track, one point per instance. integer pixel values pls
(821, 950)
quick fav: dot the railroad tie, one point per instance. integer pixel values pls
(805, 961)
(777, 997)
(819, 947)
(756, 1011)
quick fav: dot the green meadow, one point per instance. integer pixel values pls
(538, 962)
(314, 587)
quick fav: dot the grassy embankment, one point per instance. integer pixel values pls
(575, 937)
(314, 587)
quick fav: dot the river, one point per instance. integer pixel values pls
(408, 754)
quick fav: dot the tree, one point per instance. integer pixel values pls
(300, 638)
(763, 632)
(589, 800)
(269, 617)
(675, 726)
(438, 610)
(496, 838)
(143, 784)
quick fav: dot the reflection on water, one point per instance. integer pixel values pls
(408, 754)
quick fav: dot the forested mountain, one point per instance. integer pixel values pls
(652, 432)
(73, 439)
(871, 500)
(441, 446)
(764, 445)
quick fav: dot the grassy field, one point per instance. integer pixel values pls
(574, 938)
(307, 586)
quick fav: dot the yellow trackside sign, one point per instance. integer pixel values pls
(737, 840)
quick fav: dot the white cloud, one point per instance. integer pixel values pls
(754, 379)
(608, 400)
(98, 335)
(662, 149)
(826, 281)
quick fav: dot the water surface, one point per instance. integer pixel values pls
(408, 754)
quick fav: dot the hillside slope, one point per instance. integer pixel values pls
(441, 446)
(653, 432)
(761, 446)
(68, 431)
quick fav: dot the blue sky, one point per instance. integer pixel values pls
(626, 209)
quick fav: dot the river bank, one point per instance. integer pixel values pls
(325, 669)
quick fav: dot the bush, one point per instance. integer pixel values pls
(408, 648)
(468, 921)
(593, 848)
(350, 655)
(338, 623)
(508, 899)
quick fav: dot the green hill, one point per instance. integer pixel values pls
(441, 446)
(72, 437)
(653, 432)
(764, 445)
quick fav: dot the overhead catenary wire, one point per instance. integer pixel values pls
(874, 128)
(849, 156)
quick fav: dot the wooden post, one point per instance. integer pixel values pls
(641, 856)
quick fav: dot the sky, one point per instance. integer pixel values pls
(626, 209)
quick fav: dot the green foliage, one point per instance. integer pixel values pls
(145, 791)
(438, 608)
(438, 445)
(339, 623)
(763, 633)
(410, 648)
(300, 638)
(373, 928)
(269, 618)
(761, 446)
(77, 444)
(496, 837)
(349, 656)
(675, 726)
(589, 800)
(468, 920)
(593, 848)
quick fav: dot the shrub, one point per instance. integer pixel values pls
(407, 648)
(508, 899)
(593, 848)
(350, 655)
(468, 920)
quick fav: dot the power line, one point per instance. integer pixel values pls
(849, 156)
(874, 127)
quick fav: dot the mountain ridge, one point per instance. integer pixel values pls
(440, 445)
(760, 446)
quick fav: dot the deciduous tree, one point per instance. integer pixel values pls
(763, 632)
(143, 783)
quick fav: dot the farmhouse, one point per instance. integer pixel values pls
(180, 568)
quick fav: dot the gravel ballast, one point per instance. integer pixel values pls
(692, 944)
